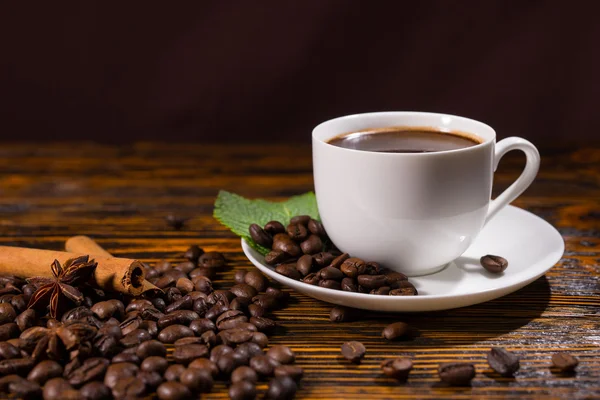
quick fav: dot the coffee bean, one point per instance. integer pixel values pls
(242, 390)
(349, 285)
(135, 337)
(265, 301)
(200, 307)
(494, 264)
(211, 259)
(95, 391)
(8, 351)
(116, 372)
(56, 388)
(176, 222)
(186, 354)
(282, 354)
(235, 336)
(130, 324)
(275, 257)
(184, 303)
(18, 366)
(173, 332)
(373, 268)
(185, 285)
(304, 264)
(331, 273)
(353, 267)
(330, 284)
(263, 365)
(323, 258)
(274, 227)
(312, 245)
(502, 361)
(353, 351)
(344, 314)
(239, 276)
(395, 331)
(26, 319)
(277, 293)
(263, 324)
(150, 379)
(394, 277)
(9, 331)
(230, 319)
(7, 313)
(257, 280)
(130, 387)
(155, 364)
(218, 351)
(316, 228)
(193, 253)
(189, 340)
(244, 373)
(339, 260)
(92, 369)
(108, 308)
(243, 290)
(283, 242)
(281, 388)
(289, 270)
(300, 219)
(398, 368)
(405, 289)
(174, 372)
(240, 303)
(227, 363)
(311, 279)
(260, 339)
(292, 371)
(126, 358)
(197, 380)
(44, 371)
(180, 317)
(151, 348)
(205, 364)
(372, 281)
(457, 374)
(260, 236)
(202, 325)
(382, 291)
(565, 362)
(25, 389)
(216, 310)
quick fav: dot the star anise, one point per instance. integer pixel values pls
(59, 292)
(58, 340)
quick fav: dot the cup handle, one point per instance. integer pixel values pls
(523, 181)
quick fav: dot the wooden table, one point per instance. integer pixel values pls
(120, 196)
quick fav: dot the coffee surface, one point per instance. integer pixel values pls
(405, 140)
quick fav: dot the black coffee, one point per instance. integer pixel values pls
(405, 140)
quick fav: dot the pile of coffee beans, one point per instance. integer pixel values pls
(299, 251)
(174, 343)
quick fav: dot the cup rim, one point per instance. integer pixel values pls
(482, 125)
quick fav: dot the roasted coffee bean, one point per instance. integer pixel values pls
(138, 305)
(330, 284)
(502, 361)
(123, 357)
(277, 293)
(372, 281)
(19, 303)
(171, 333)
(331, 273)
(244, 373)
(457, 374)
(7, 380)
(108, 308)
(165, 280)
(151, 348)
(312, 245)
(240, 303)
(316, 228)
(239, 276)
(150, 326)
(158, 303)
(216, 310)
(291, 371)
(263, 365)
(265, 301)
(297, 232)
(373, 268)
(257, 280)
(494, 264)
(184, 303)
(107, 346)
(281, 388)
(193, 253)
(204, 271)
(205, 364)
(92, 369)
(274, 227)
(150, 379)
(44, 371)
(18, 366)
(344, 314)
(393, 277)
(382, 291)
(186, 354)
(24, 389)
(220, 296)
(282, 354)
(349, 285)
(209, 338)
(176, 222)
(339, 260)
(275, 257)
(230, 319)
(56, 388)
(300, 219)
(305, 264)
(283, 242)
(323, 259)
(218, 351)
(26, 319)
(260, 236)
(211, 259)
(202, 325)
(155, 364)
(353, 267)
(189, 340)
(201, 306)
(565, 362)
(263, 324)
(398, 368)
(242, 390)
(8, 351)
(289, 270)
(116, 372)
(243, 290)
(405, 289)
(235, 336)
(174, 372)
(7, 313)
(353, 351)
(185, 285)
(130, 324)
(181, 317)
(197, 380)
(195, 295)
(395, 331)
(173, 391)
(311, 279)
(95, 391)
(135, 337)
(260, 339)
(130, 387)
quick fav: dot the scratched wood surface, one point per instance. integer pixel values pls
(120, 195)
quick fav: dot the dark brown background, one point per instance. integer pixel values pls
(245, 71)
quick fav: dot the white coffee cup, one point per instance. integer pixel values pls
(411, 212)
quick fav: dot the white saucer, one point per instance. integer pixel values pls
(531, 245)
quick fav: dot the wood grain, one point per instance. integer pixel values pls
(120, 196)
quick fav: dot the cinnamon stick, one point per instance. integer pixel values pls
(87, 245)
(112, 273)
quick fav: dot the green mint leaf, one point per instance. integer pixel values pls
(238, 213)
